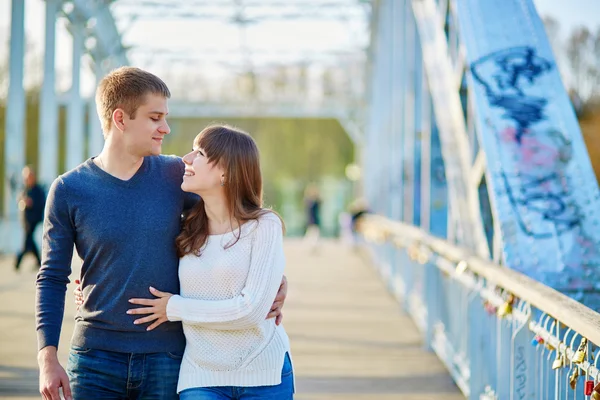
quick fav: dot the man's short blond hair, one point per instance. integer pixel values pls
(126, 88)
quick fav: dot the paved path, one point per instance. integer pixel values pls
(350, 339)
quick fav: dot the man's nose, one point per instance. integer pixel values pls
(165, 129)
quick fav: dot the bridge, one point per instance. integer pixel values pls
(481, 241)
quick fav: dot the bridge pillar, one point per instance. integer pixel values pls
(395, 85)
(48, 120)
(75, 109)
(15, 125)
(96, 140)
(408, 112)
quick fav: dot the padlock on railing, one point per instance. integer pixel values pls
(506, 308)
(581, 352)
(413, 251)
(559, 362)
(573, 378)
(588, 389)
(596, 392)
(537, 339)
(461, 267)
(489, 307)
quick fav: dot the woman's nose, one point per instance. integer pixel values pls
(187, 158)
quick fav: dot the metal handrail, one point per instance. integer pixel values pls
(570, 312)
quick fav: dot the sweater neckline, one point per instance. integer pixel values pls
(113, 179)
(242, 228)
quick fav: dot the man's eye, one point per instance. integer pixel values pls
(155, 119)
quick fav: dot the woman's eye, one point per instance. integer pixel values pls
(155, 119)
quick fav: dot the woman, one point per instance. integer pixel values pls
(230, 269)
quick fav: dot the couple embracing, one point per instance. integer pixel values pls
(182, 278)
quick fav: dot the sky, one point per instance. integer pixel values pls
(222, 40)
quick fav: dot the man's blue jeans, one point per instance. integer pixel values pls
(283, 391)
(98, 374)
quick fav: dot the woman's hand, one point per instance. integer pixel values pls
(157, 308)
(278, 303)
(78, 293)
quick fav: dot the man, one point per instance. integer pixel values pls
(122, 211)
(31, 204)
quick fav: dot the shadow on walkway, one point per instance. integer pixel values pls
(18, 382)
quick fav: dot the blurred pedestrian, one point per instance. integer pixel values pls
(31, 205)
(312, 203)
(358, 209)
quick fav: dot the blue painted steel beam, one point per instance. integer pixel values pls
(96, 140)
(48, 120)
(543, 189)
(75, 109)
(102, 26)
(464, 219)
(408, 96)
(15, 124)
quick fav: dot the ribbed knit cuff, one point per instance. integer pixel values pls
(45, 339)
(175, 308)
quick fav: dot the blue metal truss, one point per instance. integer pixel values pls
(492, 127)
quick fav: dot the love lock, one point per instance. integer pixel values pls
(559, 362)
(507, 307)
(573, 378)
(588, 388)
(504, 310)
(580, 353)
(596, 392)
(537, 340)
(489, 307)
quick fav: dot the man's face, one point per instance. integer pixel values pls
(28, 177)
(144, 134)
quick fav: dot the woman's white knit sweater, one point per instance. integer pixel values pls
(226, 294)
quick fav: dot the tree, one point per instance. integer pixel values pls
(578, 51)
(553, 31)
(595, 67)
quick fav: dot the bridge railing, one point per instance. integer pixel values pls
(501, 334)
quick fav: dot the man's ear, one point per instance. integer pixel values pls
(118, 118)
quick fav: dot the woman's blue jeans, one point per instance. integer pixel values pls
(283, 391)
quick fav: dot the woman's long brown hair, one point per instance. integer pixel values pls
(236, 152)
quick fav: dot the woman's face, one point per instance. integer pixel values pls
(200, 176)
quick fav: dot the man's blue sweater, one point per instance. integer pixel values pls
(124, 231)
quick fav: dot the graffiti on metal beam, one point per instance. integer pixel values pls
(534, 154)
(503, 74)
(541, 195)
(539, 187)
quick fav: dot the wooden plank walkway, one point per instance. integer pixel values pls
(350, 339)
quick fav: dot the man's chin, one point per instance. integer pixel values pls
(156, 151)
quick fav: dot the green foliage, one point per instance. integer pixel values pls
(294, 152)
